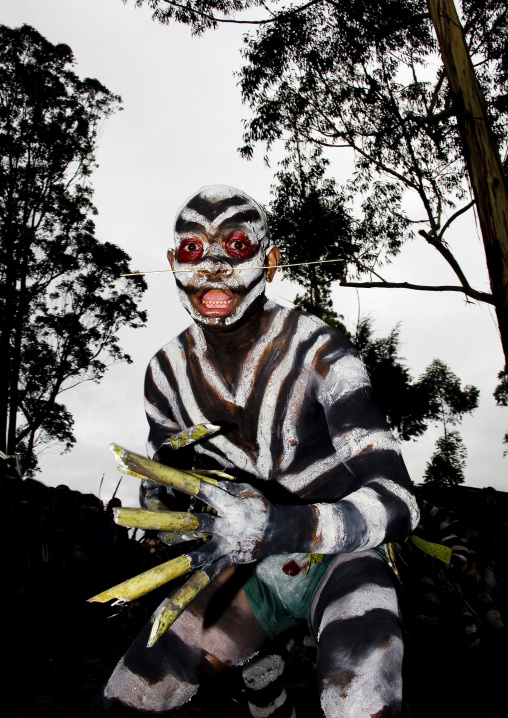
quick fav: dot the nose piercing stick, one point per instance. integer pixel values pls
(236, 269)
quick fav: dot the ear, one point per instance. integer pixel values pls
(171, 258)
(272, 261)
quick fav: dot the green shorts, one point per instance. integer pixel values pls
(280, 601)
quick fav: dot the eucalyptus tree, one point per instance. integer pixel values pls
(62, 300)
(450, 401)
(369, 77)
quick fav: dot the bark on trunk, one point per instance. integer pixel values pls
(488, 180)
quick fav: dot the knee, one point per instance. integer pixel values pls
(141, 694)
(362, 682)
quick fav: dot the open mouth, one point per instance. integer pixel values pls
(215, 303)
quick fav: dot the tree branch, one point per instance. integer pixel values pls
(443, 250)
(217, 20)
(468, 291)
(451, 219)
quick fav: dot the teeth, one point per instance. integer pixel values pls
(216, 304)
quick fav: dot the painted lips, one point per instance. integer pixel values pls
(215, 303)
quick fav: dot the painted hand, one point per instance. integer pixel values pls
(244, 522)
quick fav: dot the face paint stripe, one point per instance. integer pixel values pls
(211, 207)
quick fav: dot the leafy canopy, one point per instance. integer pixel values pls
(62, 301)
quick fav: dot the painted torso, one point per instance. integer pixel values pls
(296, 405)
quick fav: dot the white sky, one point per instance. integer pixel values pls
(179, 130)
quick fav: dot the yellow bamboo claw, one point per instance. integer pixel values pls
(143, 468)
(172, 607)
(155, 520)
(145, 582)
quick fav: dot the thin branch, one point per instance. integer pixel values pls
(443, 250)
(468, 291)
(451, 219)
(217, 20)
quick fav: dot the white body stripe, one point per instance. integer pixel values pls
(404, 495)
(346, 376)
(368, 597)
(368, 504)
(270, 398)
(350, 445)
(265, 711)
(296, 400)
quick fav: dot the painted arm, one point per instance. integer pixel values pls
(379, 506)
(376, 499)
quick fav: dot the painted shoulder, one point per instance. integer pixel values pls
(172, 344)
(307, 324)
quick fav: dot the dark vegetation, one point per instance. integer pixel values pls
(327, 75)
(60, 547)
(62, 300)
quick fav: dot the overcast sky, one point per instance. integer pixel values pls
(179, 130)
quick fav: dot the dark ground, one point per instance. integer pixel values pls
(60, 547)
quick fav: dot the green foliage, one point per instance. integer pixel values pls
(62, 301)
(446, 466)
(309, 221)
(407, 404)
(501, 397)
(368, 77)
(321, 306)
(338, 74)
(501, 390)
(449, 402)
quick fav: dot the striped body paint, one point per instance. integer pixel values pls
(325, 475)
(286, 428)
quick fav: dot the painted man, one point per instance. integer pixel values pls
(317, 472)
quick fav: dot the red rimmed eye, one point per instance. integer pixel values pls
(190, 249)
(238, 245)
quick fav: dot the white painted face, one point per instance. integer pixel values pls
(221, 234)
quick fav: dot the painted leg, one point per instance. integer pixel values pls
(355, 618)
(264, 685)
(157, 680)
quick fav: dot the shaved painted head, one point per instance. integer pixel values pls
(220, 207)
(221, 234)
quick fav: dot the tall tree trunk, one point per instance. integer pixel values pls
(488, 180)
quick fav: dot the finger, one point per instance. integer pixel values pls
(207, 523)
(214, 496)
(207, 554)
